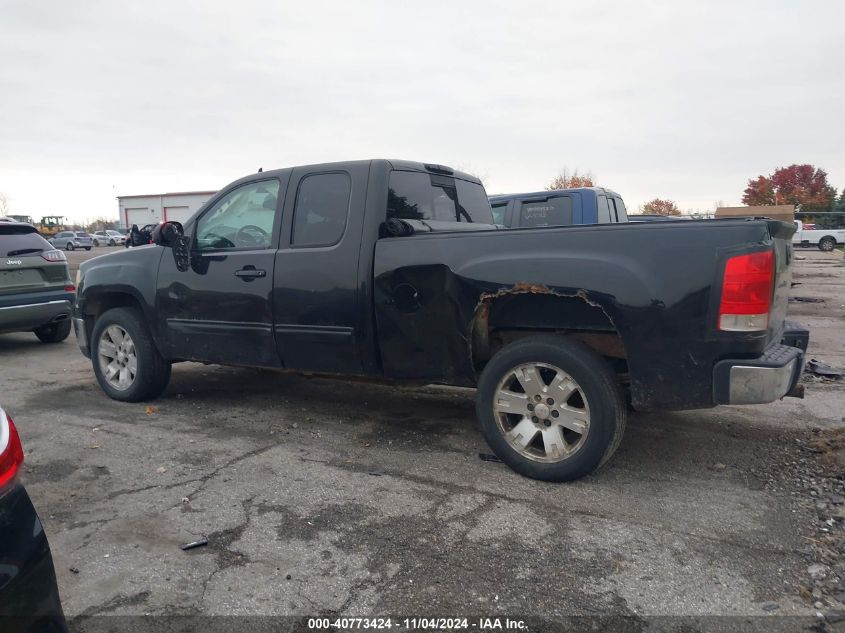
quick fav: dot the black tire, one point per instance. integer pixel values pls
(827, 244)
(111, 242)
(54, 332)
(95, 243)
(69, 246)
(597, 382)
(87, 248)
(153, 371)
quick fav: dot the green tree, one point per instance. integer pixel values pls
(839, 205)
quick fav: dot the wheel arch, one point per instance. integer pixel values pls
(98, 302)
(527, 310)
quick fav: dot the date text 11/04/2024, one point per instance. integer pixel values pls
(418, 624)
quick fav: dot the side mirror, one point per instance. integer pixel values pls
(167, 233)
(172, 235)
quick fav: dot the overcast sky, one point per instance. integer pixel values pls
(679, 100)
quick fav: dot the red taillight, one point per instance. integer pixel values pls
(70, 288)
(747, 292)
(54, 256)
(11, 451)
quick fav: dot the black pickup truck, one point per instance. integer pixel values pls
(394, 270)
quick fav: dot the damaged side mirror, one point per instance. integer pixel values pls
(167, 233)
(172, 235)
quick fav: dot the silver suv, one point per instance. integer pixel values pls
(70, 240)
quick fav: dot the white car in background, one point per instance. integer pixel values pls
(109, 238)
(826, 238)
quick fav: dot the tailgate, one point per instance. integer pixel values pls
(781, 233)
(30, 273)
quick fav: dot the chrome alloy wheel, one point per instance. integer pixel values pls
(117, 357)
(542, 412)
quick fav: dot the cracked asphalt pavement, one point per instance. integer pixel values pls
(329, 497)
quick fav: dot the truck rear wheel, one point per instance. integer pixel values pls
(125, 359)
(827, 244)
(550, 408)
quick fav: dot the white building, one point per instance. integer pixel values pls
(152, 208)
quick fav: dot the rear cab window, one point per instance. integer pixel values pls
(553, 211)
(17, 240)
(433, 197)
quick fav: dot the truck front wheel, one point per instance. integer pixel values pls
(126, 362)
(550, 408)
(827, 244)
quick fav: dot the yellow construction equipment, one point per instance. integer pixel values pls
(51, 224)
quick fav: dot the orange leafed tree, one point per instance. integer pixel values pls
(804, 186)
(565, 180)
(660, 207)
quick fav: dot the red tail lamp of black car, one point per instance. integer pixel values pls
(747, 292)
(11, 451)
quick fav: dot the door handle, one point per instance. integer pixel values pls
(248, 273)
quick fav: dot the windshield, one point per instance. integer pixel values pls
(418, 196)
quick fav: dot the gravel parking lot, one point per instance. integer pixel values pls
(331, 497)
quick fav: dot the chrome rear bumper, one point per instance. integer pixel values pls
(767, 378)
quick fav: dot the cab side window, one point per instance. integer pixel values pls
(603, 210)
(621, 211)
(499, 210)
(322, 206)
(241, 219)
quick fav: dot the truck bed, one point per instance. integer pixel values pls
(654, 285)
